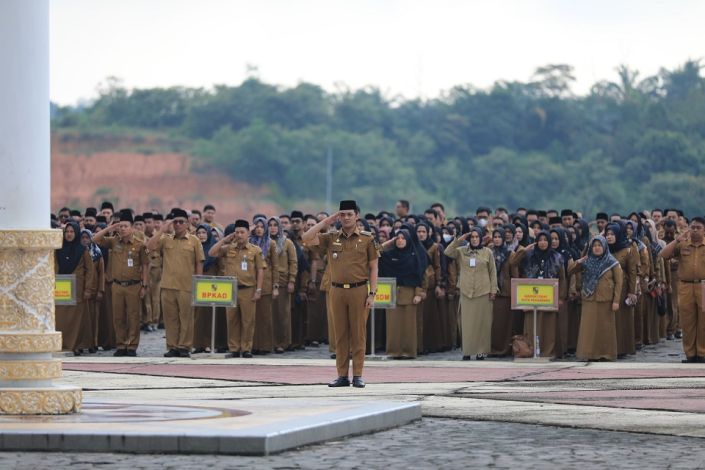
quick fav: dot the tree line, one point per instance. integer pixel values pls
(629, 144)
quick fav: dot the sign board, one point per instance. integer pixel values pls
(529, 294)
(386, 296)
(214, 291)
(65, 289)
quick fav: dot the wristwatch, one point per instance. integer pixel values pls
(372, 293)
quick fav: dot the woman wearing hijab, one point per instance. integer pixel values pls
(428, 326)
(662, 276)
(582, 232)
(644, 273)
(478, 288)
(600, 281)
(203, 316)
(263, 341)
(287, 265)
(502, 317)
(74, 258)
(626, 253)
(540, 261)
(561, 245)
(89, 328)
(451, 274)
(408, 267)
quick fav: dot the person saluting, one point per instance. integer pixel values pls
(353, 256)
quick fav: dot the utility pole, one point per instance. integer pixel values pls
(329, 180)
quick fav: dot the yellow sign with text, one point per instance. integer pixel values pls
(214, 291)
(535, 295)
(386, 293)
(65, 289)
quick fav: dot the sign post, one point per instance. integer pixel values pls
(535, 295)
(214, 291)
(65, 289)
(386, 297)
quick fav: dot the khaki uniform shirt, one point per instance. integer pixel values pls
(179, 257)
(348, 256)
(126, 258)
(608, 288)
(242, 263)
(691, 260)
(478, 272)
(287, 263)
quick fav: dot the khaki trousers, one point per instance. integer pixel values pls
(178, 318)
(692, 318)
(281, 319)
(155, 280)
(241, 321)
(126, 316)
(350, 320)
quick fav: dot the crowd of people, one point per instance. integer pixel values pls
(625, 281)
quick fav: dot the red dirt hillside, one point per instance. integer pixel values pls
(84, 174)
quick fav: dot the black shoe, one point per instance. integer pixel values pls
(235, 354)
(131, 353)
(333, 356)
(314, 344)
(358, 382)
(199, 350)
(678, 335)
(184, 353)
(160, 326)
(171, 353)
(467, 358)
(690, 360)
(221, 350)
(144, 328)
(92, 350)
(120, 353)
(290, 349)
(670, 337)
(279, 351)
(340, 382)
(247, 355)
(480, 357)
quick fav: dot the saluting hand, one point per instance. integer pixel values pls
(166, 226)
(331, 219)
(683, 236)
(464, 236)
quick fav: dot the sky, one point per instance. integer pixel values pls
(406, 48)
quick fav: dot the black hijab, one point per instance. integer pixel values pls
(564, 246)
(542, 264)
(404, 264)
(428, 243)
(583, 239)
(69, 255)
(620, 234)
(207, 245)
(525, 240)
(501, 254)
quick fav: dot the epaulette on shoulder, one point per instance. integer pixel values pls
(365, 232)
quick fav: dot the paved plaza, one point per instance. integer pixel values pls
(645, 412)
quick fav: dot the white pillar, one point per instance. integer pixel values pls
(25, 167)
(27, 336)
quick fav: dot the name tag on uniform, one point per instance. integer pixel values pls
(473, 262)
(130, 263)
(243, 266)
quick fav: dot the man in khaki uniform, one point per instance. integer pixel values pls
(128, 267)
(352, 256)
(243, 260)
(689, 249)
(182, 257)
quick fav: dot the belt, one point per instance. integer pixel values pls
(348, 286)
(126, 283)
(244, 287)
(696, 281)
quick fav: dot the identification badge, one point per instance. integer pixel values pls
(473, 262)
(335, 255)
(243, 266)
(130, 263)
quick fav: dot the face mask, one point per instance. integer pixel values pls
(447, 237)
(482, 222)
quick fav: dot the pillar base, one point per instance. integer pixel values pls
(52, 400)
(27, 336)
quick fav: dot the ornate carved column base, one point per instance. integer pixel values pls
(27, 336)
